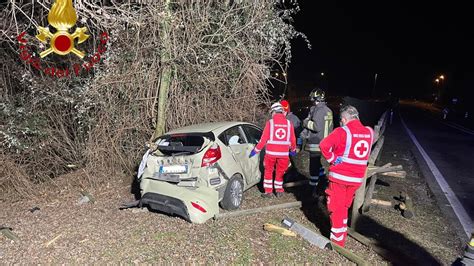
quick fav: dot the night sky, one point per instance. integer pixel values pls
(407, 44)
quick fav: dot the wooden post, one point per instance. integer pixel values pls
(257, 210)
(358, 202)
(369, 193)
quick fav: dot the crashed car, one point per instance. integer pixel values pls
(190, 171)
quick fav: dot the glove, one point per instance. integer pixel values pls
(337, 161)
(252, 153)
(292, 153)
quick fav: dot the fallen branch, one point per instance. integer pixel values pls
(6, 231)
(381, 202)
(277, 229)
(53, 240)
(401, 174)
(295, 204)
(377, 170)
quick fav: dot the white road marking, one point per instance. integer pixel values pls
(448, 192)
(459, 127)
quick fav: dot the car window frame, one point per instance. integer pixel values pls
(241, 132)
(251, 126)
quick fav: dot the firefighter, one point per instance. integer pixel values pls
(279, 140)
(347, 149)
(318, 125)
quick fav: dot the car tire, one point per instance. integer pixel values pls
(233, 194)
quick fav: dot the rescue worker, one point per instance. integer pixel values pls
(347, 149)
(318, 125)
(279, 140)
(294, 120)
(292, 171)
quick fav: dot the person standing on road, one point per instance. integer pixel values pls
(279, 140)
(347, 149)
(318, 125)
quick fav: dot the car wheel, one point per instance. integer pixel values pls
(233, 194)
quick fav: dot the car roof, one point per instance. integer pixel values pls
(216, 127)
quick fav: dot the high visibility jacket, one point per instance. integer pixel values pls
(319, 126)
(352, 143)
(278, 136)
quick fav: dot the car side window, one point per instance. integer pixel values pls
(253, 134)
(232, 136)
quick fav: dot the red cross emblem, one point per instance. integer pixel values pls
(280, 133)
(361, 148)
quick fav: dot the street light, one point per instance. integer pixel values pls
(437, 80)
(441, 77)
(322, 73)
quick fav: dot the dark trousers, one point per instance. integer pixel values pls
(318, 168)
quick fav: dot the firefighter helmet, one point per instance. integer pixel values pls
(317, 95)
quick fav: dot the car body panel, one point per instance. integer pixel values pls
(204, 185)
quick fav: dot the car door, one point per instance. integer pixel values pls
(253, 135)
(240, 148)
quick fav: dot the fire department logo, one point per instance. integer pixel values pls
(62, 17)
(280, 133)
(361, 149)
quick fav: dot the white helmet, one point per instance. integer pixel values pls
(277, 108)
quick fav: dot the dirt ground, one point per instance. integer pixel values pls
(62, 231)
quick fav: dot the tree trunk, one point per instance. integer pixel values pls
(165, 76)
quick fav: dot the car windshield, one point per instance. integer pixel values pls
(180, 143)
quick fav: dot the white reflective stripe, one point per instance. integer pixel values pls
(257, 150)
(337, 238)
(346, 178)
(354, 161)
(283, 153)
(344, 221)
(313, 145)
(269, 181)
(348, 141)
(314, 177)
(278, 186)
(288, 132)
(339, 230)
(313, 183)
(267, 186)
(278, 142)
(332, 157)
(278, 182)
(271, 129)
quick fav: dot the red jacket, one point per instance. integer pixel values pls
(352, 143)
(278, 136)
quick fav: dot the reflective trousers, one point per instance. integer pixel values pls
(281, 165)
(339, 200)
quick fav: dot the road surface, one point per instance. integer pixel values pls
(448, 151)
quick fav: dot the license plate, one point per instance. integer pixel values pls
(173, 169)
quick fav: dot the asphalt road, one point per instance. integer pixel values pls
(451, 150)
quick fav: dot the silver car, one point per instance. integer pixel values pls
(191, 170)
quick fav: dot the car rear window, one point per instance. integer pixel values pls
(173, 144)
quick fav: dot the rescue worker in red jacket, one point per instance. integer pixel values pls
(347, 149)
(279, 140)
